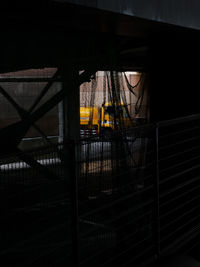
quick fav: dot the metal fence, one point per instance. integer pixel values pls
(35, 209)
(126, 200)
(138, 199)
(116, 198)
(179, 182)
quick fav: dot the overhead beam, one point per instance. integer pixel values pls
(28, 80)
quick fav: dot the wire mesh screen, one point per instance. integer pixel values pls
(35, 209)
(116, 199)
(179, 173)
(123, 200)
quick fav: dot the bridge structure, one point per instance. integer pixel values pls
(78, 38)
(155, 37)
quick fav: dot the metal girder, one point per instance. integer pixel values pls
(28, 80)
(12, 135)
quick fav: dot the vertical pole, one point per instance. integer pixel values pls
(157, 197)
(71, 105)
(61, 122)
(72, 167)
(71, 132)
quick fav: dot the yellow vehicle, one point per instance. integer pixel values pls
(89, 120)
(114, 117)
(103, 120)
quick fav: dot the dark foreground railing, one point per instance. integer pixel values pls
(126, 200)
(35, 225)
(179, 182)
(116, 199)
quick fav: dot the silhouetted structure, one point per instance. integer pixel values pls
(132, 197)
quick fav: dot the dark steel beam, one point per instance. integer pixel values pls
(28, 80)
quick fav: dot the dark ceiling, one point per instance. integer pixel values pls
(63, 34)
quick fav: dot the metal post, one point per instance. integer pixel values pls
(61, 122)
(71, 106)
(70, 148)
(157, 191)
(70, 128)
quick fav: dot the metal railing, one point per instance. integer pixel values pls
(179, 182)
(116, 198)
(35, 208)
(139, 198)
(125, 200)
